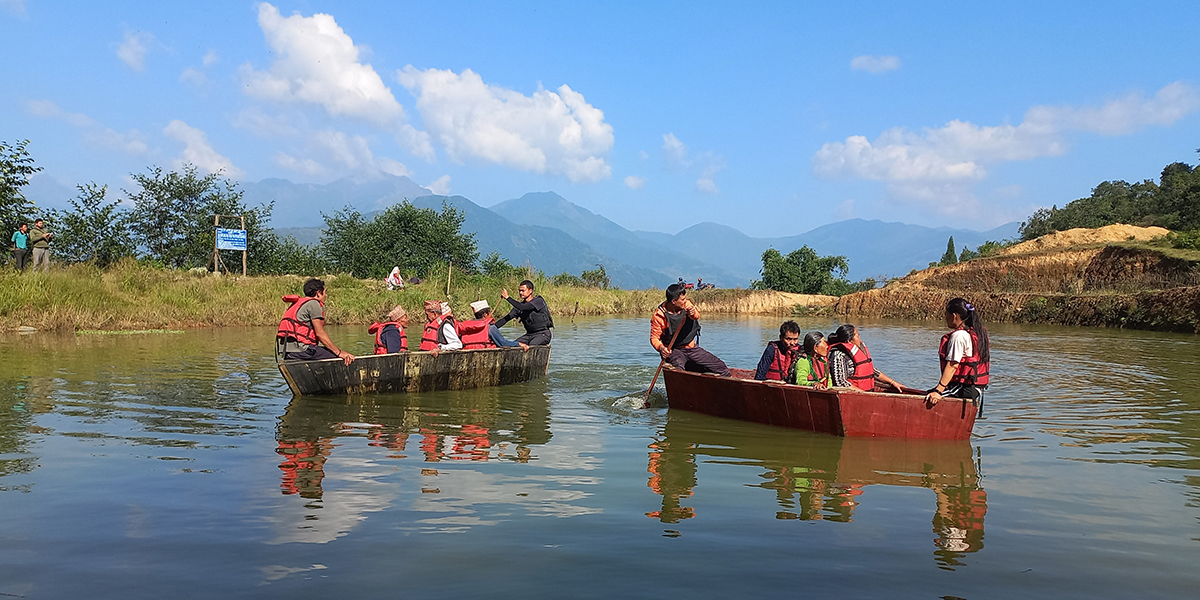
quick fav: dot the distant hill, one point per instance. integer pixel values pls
(548, 209)
(301, 204)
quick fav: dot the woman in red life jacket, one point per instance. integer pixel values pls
(776, 361)
(301, 331)
(850, 362)
(965, 355)
(389, 335)
(812, 366)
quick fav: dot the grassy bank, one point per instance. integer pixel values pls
(134, 296)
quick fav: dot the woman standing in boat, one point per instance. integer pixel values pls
(812, 366)
(964, 353)
(850, 363)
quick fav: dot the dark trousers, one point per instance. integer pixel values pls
(697, 360)
(537, 338)
(22, 256)
(313, 353)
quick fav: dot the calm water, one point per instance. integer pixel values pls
(169, 465)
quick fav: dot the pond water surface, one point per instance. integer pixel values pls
(171, 465)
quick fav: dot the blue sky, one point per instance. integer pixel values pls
(772, 118)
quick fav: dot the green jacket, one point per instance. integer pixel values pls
(38, 238)
(806, 370)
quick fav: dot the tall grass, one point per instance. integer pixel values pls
(132, 295)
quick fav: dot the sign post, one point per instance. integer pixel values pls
(228, 239)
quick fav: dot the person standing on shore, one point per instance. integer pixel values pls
(678, 314)
(20, 241)
(40, 238)
(533, 314)
(965, 355)
(302, 328)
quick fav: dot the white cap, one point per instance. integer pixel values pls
(480, 305)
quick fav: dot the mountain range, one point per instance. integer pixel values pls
(555, 235)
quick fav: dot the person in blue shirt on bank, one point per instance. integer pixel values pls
(20, 240)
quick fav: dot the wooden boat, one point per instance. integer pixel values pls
(416, 371)
(835, 411)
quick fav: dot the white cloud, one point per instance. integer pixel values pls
(875, 64)
(939, 164)
(197, 151)
(17, 7)
(331, 151)
(635, 183)
(210, 58)
(316, 62)
(195, 77)
(134, 48)
(132, 143)
(705, 183)
(555, 132)
(268, 126)
(675, 153)
(441, 186)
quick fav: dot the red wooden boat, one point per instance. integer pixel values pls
(836, 411)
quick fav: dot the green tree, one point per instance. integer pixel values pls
(567, 280)
(415, 239)
(173, 219)
(596, 278)
(950, 257)
(494, 265)
(967, 254)
(803, 272)
(93, 230)
(16, 167)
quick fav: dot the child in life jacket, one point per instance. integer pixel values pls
(965, 355)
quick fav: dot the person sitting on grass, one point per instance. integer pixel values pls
(302, 328)
(678, 314)
(776, 361)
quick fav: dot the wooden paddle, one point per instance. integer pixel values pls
(646, 400)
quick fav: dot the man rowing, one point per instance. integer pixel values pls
(674, 329)
(533, 314)
(302, 329)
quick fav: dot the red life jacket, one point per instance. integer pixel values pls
(474, 334)
(433, 334)
(863, 377)
(971, 370)
(377, 329)
(820, 369)
(781, 365)
(290, 327)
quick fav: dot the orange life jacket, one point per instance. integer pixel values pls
(781, 365)
(377, 329)
(291, 327)
(433, 335)
(474, 334)
(971, 370)
(863, 377)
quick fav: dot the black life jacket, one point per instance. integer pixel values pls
(537, 320)
(691, 328)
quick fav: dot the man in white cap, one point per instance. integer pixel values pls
(440, 329)
(483, 312)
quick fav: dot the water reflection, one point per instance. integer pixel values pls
(821, 478)
(474, 425)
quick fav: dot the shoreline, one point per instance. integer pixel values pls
(132, 296)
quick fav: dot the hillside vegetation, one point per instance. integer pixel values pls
(1104, 279)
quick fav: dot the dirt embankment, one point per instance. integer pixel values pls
(1098, 282)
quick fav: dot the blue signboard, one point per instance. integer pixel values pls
(231, 239)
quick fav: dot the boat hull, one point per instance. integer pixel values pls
(835, 411)
(416, 371)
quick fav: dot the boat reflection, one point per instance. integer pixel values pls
(819, 477)
(475, 425)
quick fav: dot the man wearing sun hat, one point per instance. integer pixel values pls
(440, 333)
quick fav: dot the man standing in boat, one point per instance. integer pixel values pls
(533, 314)
(302, 328)
(678, 314)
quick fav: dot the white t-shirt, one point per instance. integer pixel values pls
(960, 346)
